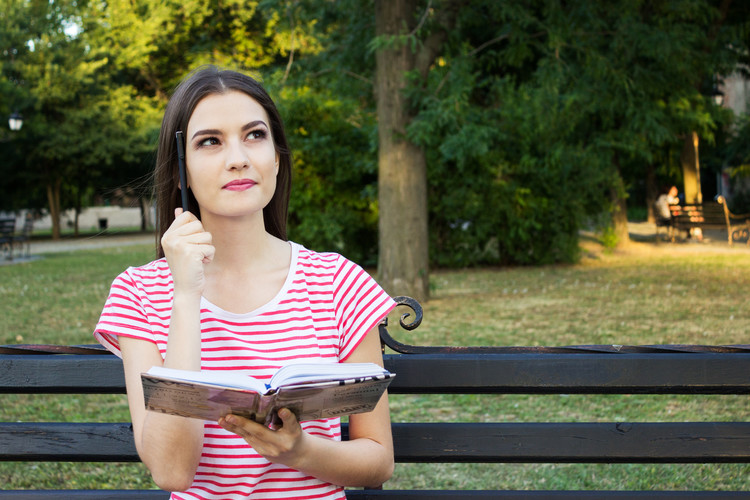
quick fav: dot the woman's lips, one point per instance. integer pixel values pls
(239, 185)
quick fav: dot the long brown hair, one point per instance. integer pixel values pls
(202, 82)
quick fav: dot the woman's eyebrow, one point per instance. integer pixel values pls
(254, 124)
(208, 131)
(215, 131)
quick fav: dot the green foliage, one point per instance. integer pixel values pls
(333, 205)
(510, 178)
(531, 113)
(80, 121)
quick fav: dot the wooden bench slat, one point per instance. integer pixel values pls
(70, 442)
(674, 373)
(69, 374)
(392, 494)
(84, 494)
(672, 442)
(695, 373)
(540, 495)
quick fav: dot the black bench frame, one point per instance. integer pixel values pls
(672, 369)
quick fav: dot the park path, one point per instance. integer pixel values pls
(39, 247)
(642, 236)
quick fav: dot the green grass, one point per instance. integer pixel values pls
(645, 295)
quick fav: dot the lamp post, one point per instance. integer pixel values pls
(15, 122)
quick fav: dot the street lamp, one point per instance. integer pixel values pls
(15, 122)
(718, 97)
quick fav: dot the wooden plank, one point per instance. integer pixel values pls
(672, 442)
(71, 374)
(673, 373)
(84, 494)
(676, 373)
(395, 495)
(541, 495)
(70, 442)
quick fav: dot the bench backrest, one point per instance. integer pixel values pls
(7, 227)
(710, 213)
(655, 370)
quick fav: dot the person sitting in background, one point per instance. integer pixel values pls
(663, 213)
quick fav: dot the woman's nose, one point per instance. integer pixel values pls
(236, 157)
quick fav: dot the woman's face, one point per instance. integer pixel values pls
(230, 156)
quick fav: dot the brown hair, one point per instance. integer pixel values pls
(202, 82)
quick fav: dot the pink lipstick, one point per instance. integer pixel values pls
(239, 185)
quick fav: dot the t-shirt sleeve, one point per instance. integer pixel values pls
(359, 304)
(123, 314)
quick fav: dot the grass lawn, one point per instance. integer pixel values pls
(669, 293)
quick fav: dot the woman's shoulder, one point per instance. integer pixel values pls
(312, 258)
(156, 271)
(327, 265)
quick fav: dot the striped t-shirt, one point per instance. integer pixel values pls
(323, 311)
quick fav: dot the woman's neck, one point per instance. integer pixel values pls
(241, 244)
(249, 267)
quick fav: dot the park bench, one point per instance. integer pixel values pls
(22, 239)
(7, 230)
(671, 369)
(709, 215)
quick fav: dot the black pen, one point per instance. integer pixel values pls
(181, 169)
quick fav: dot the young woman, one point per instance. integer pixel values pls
(229, 292)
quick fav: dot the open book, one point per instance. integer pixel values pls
(310, 390)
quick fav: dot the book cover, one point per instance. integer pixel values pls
(310, 390)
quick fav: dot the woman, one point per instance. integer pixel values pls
(229, 292)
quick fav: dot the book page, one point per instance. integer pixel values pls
(301, 373)
(332, 399)
(234, 379)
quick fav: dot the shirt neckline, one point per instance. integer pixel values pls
(207, 304)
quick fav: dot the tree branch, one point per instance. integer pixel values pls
(446, 20)
(421, 21)
(293, 27)
(346, 72)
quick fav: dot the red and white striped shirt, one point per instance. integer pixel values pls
(323, 311)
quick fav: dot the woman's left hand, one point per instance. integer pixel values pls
(279, 444)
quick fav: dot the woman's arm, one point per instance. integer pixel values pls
(366, 459)
(170, 446)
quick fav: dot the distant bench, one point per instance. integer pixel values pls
(669, 369)
(10, 239)
(709, 215)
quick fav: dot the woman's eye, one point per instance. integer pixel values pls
(208, 141)
(257, 134)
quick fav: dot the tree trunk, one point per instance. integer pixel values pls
(79, 204)
(145, 213)
(652, 192)
(403, 261)
(691, 169)
(53, 199)
(618, 196)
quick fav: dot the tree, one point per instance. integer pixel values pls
(403, 262)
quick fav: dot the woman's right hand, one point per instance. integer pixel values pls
(187, 247)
